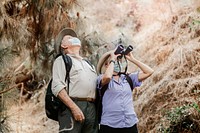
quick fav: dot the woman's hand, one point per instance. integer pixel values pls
(113, 56)
(129, 56)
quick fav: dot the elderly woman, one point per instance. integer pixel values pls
(118, 115)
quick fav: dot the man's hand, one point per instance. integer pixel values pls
(77, 114)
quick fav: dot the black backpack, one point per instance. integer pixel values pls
(100, 93)
(52, 103)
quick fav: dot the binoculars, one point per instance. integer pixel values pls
(121, 50)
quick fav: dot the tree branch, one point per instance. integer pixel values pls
(4, 91)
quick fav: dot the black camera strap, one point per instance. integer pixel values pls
(126, 65)
(126, 68)
(119, 66)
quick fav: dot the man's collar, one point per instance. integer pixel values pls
(75, 56)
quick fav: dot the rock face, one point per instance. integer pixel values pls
(164, 34)
(101, 27)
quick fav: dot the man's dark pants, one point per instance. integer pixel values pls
(69, 125)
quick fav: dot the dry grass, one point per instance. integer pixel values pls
(176, 80)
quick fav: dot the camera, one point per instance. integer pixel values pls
(121, 50)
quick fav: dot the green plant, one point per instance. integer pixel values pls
(195, 106)
(177, 114)
(194, 24)
(180, 119)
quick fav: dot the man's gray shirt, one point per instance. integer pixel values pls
(82, 78)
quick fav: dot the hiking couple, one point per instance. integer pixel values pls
(79, 94)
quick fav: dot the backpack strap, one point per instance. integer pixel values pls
(128, 78)
(68, 66)
(89, 63)
(58, 55)
(103, 90)
(98, 102)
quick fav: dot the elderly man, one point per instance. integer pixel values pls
(79, 114)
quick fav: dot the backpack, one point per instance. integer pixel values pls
(100, 93)
(52, 103)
